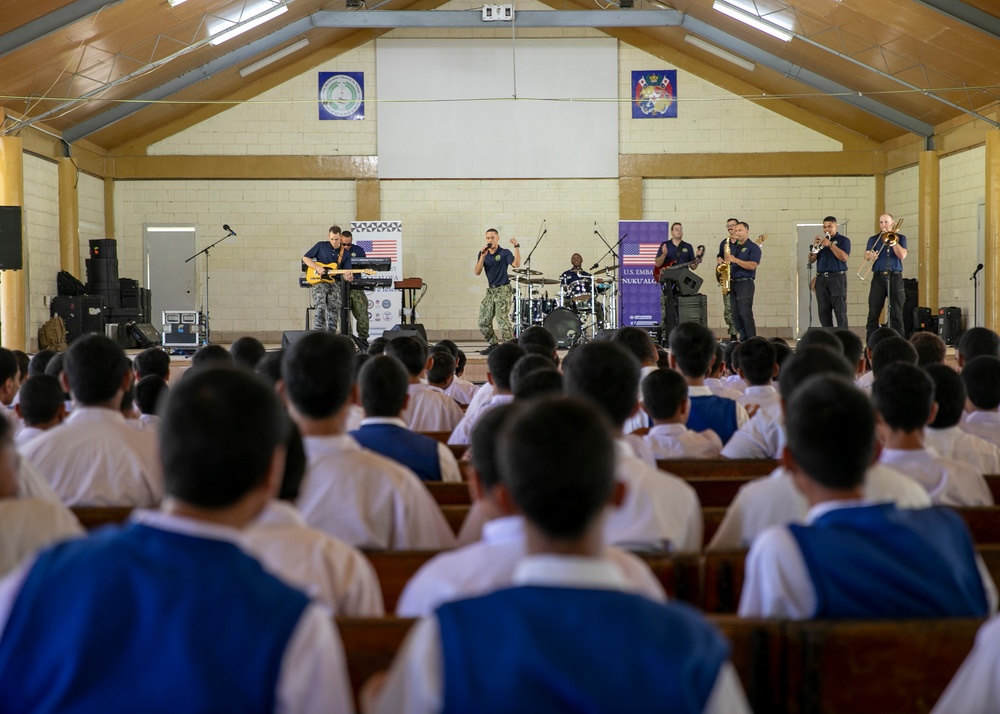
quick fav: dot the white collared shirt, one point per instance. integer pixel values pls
(975, 688)
(953, 443)
(947, 482)
(447, 463)
(463, 432)
(985, 425)
(461, 390)
(482, 397)
(765, 396)
(29, 524)
(430, 409)
(865, 381)
(367, 500)
(26, 434)
(762, 437)
(716, 387)
(734, 381)
(676, 441)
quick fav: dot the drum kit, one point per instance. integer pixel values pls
(582, 306)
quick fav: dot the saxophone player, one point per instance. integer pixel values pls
(727, 313)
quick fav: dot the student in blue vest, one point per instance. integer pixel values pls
(383, 382)
(854, 558)
(168, 613)
(692, 351)
(565, 637)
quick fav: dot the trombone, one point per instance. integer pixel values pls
(888, 238)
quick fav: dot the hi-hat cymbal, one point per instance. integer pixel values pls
(606, 269)
(539, 281)
(527, 271)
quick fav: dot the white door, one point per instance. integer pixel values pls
(171, 280)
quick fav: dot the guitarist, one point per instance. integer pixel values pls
(326, 297)
(673, 252)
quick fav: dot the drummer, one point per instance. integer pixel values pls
(576, 288)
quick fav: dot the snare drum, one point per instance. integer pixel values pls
(580, 290)
(564, 325)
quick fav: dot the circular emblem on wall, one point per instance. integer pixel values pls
(387, 316)
(386, 303)
(370, 304)
(341, 95)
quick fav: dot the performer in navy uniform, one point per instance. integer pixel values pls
(675, 251)
(359, 298)
(831, 273)
(886, 277)
(727, 311)
(743, 259)
(567, 282)
(326, 298)
(499, 297)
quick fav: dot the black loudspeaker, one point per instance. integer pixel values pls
(688, 282)
(921, 320)
(104, 249)
(11, 238)
(415, 330)
(910, 300)
(949, 324)
(290, 337)
(693, 308)
(144, 334)
(82, 314)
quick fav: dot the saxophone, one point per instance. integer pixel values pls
(722, 270)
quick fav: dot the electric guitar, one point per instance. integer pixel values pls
(673, 264)
(314, 276)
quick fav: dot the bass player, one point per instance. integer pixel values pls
(672, 253)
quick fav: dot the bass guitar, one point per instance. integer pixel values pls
(330, 272)
(673, 264)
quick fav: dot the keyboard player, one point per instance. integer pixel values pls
(359, 298)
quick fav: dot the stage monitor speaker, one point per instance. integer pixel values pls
(415, 330)
(290, 337)
(688, 282)
(921, 320)
(11, 238)
(949, 324)
(692, 308)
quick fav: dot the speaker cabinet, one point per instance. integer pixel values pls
(950, 324)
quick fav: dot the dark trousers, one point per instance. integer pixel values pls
(668, 312)
(741, 300)
(883, 286)
(831, 299)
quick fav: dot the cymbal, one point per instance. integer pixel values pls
(604, 281)
(527, 271)
(539, 281)
(607, 269)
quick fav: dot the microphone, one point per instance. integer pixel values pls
(595, 232)
(595, 265)
(976, 271)
(225, 227)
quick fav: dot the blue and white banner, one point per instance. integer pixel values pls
(382, 239)
(640, 293)
(654, 94)
(341, 95)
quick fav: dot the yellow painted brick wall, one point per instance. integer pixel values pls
(963, 186)
(41, 235)
(902, 190)
(91, 197)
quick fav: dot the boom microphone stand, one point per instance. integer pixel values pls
(229, 232)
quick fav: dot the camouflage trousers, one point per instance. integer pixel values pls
(727, 313)
(326, 301)
(359, 308)
(497, 304)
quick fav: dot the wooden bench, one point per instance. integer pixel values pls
(455, 514)
(983, 523)
(370, 645)
(993, 481)
(712, 519)
(459, 450)
(394, 569)
(700, 468)
(717, 491)
(440, 436)
(92, 517)
(723, 573)
(449, 493)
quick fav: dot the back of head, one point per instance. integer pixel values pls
(460, 363)
(757, 360)
(95, 368)
(8, 365)
(40, 361)
(296, 463)
(663, 393)
(442, 367)
(949, 393)
(892, 350)
(930, 348)
(211, 355)
(484, 443)
(56, 365)
(560, 487)
(638, 342)
(537, 335)
(377, 346)
(716, 370)
(692, 346)
(269, 367)
(448, 345)
(982, 382)
(978, 341)
(854, 348)
(526, 365)
(384, 382)
(903, 394)
(22, 364)
(778, 341)
(781, 354)
(411, 351)
(541, 350)
(820, 336)
(41, 397)
(605, 374)
(148, 393)
(500, 364)
(318, 372)
(152, 361)
(809, 362)
(218, 435)
(731, 353)
(879, 334)
(539, 383)
(247, 351)
(825, 405)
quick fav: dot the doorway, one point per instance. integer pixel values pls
(171, 281)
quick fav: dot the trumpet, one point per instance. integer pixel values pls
(886, 238)
(817, 243)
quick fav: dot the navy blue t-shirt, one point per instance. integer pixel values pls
(887, 258)
(496, 267)
(826, 261)
(357, 251)
(749, 251)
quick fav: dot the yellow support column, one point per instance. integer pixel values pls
(630, 198)
(109, 208)
(12, 298)
(69, 217)
(368, 203)
(930, 221)
(991, 261)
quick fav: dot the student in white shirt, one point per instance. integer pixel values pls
(152, 361)
(150, 391)
(461, 390)
(641, 346)
(429, 409)
(854, 350)
(731, 378)
(499, 364)
(351, 493)
(877, 335)
(41, 407)
(665, 396)
(981, 376)
(715, 374)
(943, 435)
(758, 366)
(930, 348)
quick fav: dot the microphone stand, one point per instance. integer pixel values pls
(205, 337)
(614, 259)
(518, 316)
(975, 296)
(809, 272)
(541, 234)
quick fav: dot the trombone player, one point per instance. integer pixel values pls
(887, 250)
(830, 252)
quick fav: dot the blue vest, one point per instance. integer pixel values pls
(415, 451)
(715, 413)
(883, 562)
(140, 619)
(546, 649)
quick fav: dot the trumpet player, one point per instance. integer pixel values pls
(886, 275)
(830, 252)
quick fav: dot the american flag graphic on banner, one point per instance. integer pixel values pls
(639, 253)
(380, 249)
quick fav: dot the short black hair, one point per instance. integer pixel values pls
(211, 355)
(442, 367)
(247, 351)
(808, 362)
(930, 348)
(663, 357)
(384, 383)
(978, 341)
(40, 361)
(536, 349)
(605, 374)
(95, 369)
(152, 360)
(539, 383)
(560, 488)
(269, 367)
(854, 348)
(346, 234)
(879, 334)
(781, 354)
(778, 341)
(731, 352)
(821, 336)
(825, 405)
(334, 229)
(360, 359)
(526, 365)
(460, 363)
(903, 394)
(8, 365)
(692, 346)
(448, 345)
(56, 366)
(218, 435)
(949, 393)
(982, 382)
(484, 443)
(757, 359)
(663, 393)
(318, 371)
(500, 364)
(412, 352)
(891, 350)
(22, 364)
(377, 346)
(41, 397)
(537, 335)
(296, 463)
(637, 341)
(148, 393)
(831, 219)
(718, 366)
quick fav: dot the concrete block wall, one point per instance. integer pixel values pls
(41, 235)
(963, 188)
(91, 206)
(901, 200)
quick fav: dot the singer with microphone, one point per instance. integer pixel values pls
(499, 299)
(326, 296)
(830, 252)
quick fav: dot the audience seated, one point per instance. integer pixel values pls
(441, 373)
(977, 341)
(930, 348)
(876, 336)
(855, 559)
(757, 368)
(538, 383)
(247, 352)
(665, 394)
(499, 364)
(269, 367)
(943, 435)
(149, 394)
(459, 389)
(351, 493)
(152, 361)
(890, 351)
(854, 350)
(732, 379)
(640, 345)
(10, 383)
(39, 361)
(428, 409)
(713, 380)
(981, 376)
(377, 346)
(41, 407)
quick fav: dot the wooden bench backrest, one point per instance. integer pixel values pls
(993, 481)
(692, 468)
(722, 581)
(459, 450)
(92, 517)
(370, 645)
(717, 491)
(441, 436)
(983, 523)
(394, 568)
(449, 493)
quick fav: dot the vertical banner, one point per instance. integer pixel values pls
(640, 294)
(382, 239)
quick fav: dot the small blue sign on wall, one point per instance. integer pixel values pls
(654, 94)
(341, 95)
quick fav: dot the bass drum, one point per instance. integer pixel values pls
(564, 324)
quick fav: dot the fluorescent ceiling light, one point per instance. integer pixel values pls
(175, 3)
(274, 58)
(170, 229)
(752, 19)
(255, 16)
(719, 52)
